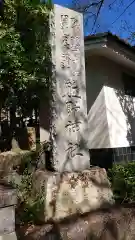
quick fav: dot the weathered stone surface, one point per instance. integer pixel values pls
(10, 236)
(115, 222)
(68, 109)
(34, 232)
(10, 160)
(7, 220)
(76, 192)
(11, 177)
(7, 196)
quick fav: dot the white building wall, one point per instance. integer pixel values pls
(98, 132)
(106, 118)
(117, 121)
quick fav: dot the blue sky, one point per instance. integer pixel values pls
(122, 27)
(63, 2)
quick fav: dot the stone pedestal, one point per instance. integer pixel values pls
(8, 201)
(71, 193)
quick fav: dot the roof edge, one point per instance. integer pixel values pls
(108, 36)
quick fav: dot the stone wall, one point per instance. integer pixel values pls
(10, 160)
(70, 193)
(11, 163)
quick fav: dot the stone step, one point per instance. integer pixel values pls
(8, 200)
(10, 236)
(7, 220)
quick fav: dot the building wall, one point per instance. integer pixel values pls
(98, 132)
(117, 122)
(107, 119)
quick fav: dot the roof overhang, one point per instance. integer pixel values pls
(111, 47)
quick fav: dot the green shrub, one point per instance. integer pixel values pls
(122, 177)
(29, 205)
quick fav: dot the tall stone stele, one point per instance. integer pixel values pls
(68, 125)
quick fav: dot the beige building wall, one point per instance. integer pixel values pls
(107, 118)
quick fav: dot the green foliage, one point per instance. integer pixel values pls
(28, 162)
(122, 177)
(30, 203)
(25, 66)
(30, 206)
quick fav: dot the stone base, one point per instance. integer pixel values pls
(116, 222)
(34, 232)
(10, 236)
(8, 201)
(7, 220)
(70, 193)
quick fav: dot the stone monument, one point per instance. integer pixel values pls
(73, 187)
(69, 110)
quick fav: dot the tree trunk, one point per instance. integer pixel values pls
(14, 142)
(0, 122)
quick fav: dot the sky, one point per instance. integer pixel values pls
(63, 2)
(108, 21)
